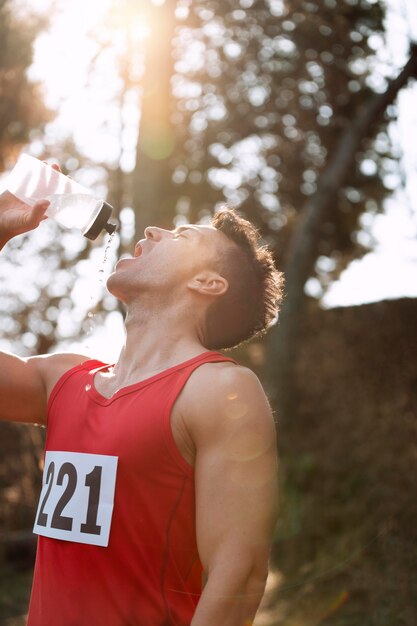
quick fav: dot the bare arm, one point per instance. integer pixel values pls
(236, 492)
(25, 384)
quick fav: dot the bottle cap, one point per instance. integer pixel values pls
(100, 221)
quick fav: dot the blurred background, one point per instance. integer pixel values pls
(302, 114)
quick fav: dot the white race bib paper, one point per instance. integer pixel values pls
(76, 501)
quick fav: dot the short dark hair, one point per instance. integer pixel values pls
(251, 303)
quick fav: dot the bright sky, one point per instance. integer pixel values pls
(85, 112)
(390, 271)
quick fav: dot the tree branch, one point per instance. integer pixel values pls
(303, 248)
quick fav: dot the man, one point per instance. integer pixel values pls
(164, 465)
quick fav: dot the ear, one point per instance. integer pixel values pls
(208, 283)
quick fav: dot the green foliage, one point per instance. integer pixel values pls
(14, 596)
(261, 94)
(21, 105)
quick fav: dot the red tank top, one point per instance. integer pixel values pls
(117, 508)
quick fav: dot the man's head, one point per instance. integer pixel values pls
(251, 303)
(218, 276)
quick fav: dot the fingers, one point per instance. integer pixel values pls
(37, 214)
(54, 166)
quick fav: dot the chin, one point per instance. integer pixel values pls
(114, 286)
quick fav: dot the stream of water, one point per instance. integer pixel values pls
(91, 313)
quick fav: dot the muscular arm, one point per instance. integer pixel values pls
(236, 492)
(25, 384)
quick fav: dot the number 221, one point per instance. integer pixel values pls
(62, 522)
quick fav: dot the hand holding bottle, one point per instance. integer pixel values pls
(71, 204)
(17, 217)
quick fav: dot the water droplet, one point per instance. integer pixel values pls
(87, 387)
(105, 256)
(90, 314)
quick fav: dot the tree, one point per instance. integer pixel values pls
(259, 95)
(277, 82)
(21, 105)
(156, 141)
(303, 248)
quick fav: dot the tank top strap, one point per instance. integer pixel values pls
(212, 356)
(184, 370)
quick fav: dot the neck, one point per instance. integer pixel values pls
(156, 339)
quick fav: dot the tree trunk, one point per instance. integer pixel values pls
(303, 248)
(152, 175)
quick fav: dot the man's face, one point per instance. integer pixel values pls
(165, 260)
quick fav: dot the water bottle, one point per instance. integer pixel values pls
(71, 204)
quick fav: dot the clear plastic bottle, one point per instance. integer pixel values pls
(71, 204)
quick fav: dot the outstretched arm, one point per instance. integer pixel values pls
(236, 492)
(26, 383)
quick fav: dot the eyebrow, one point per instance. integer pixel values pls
(181, 229)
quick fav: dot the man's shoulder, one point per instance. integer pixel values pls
(52, 366)
(217, 393)
(222, 376)
(61, 360)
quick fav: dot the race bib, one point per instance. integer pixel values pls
(76, 501)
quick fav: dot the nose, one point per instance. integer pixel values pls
(155, 234)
